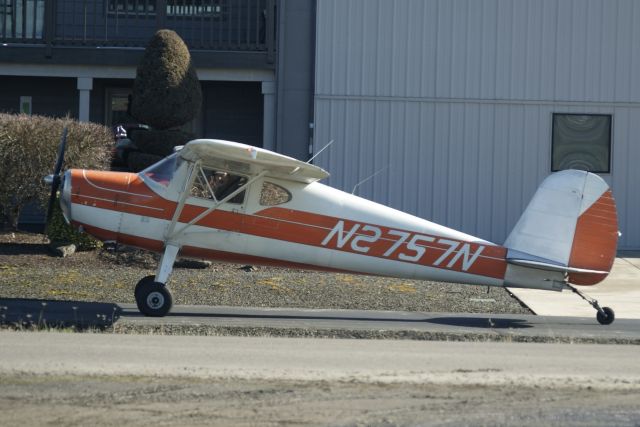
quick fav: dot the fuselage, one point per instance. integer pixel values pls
(319, 227)
(225, 201)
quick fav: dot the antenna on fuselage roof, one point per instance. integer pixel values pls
(321, 150)
(379, 171)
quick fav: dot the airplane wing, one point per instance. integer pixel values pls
(248, 160)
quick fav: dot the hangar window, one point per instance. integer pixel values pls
(581, 141)
(273, 194)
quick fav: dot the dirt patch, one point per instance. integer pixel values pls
(82, 400)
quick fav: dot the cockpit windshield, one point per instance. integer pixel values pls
(163, 171)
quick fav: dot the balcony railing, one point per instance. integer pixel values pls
(231, 25)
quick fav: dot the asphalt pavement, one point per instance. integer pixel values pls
(487, 363)
(206, 320)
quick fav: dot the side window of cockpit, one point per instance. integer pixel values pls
(203, 184)
(273, 194)
(226, 184)
(216, 185)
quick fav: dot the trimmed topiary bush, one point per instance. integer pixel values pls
(166, 91)
(28, 152)
(138, 161)
(161, 142)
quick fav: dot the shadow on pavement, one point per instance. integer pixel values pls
(473, 322)
(83, 315)
(480, 322)
(80, 315)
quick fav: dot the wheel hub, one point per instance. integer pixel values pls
(155, 300)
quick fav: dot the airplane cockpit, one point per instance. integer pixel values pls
(170, 176)
(216, 185)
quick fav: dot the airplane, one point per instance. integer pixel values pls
(231, 202)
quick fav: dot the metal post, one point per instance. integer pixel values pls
(270, 35)
(49, 26)
(161, 14)
(269, 116)
(85, 84)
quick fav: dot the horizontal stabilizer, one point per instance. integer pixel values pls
(552, 267)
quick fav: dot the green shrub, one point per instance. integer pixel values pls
(59, 232)
(166, 91)
(28, 152)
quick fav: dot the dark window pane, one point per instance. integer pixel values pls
(581, 142)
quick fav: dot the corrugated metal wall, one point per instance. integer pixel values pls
(455, 100)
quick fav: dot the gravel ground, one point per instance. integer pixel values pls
(27, 270)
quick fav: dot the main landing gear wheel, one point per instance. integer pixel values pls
(153, 298)
(148, 279)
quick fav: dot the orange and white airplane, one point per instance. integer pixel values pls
(226, 201)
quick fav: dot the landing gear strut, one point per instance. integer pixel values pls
(605, 315)
(153, 298)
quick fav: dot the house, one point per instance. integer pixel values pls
(79, 57)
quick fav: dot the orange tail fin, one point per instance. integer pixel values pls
(595, 240)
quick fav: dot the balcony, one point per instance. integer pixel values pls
(59, 26)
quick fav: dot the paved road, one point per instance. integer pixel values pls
(486, 363)
(343, 323)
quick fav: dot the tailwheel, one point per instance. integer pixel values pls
(604, 315)
(153, 298)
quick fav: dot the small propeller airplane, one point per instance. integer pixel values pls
(231, 202)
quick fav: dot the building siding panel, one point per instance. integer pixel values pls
(451, 102)
(488, 49)
(471, 166)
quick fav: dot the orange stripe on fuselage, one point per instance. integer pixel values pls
(129, 194)
(311, 228)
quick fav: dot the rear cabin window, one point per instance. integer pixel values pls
(216, 185)
(273, 194)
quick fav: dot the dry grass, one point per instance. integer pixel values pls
(28, 152)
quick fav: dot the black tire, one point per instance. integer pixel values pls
(153, 298)
(606, 316)
(148, 279)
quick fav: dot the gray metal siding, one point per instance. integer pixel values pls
(549, 50)
(457, 97)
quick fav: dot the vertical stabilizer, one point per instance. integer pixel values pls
(571, 223)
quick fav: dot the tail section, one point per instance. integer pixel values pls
(570, 227)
